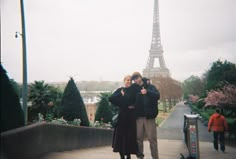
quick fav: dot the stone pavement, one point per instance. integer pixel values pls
(170, 143)
(168, 149)
(174, 146)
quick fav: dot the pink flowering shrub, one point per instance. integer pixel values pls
(193, 98)
(230, 94)
(225, 96)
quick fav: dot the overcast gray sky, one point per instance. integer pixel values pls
(107, 39)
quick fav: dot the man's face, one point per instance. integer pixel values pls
(138, 81)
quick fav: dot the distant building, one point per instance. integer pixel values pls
(91, 111)
(90, 100)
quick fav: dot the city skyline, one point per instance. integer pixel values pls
(106, 40)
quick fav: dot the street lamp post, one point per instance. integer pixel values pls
(24, 62)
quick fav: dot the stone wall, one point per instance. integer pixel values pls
(33, 141)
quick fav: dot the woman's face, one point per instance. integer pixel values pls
(127, 81)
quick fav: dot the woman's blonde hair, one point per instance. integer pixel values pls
(127, 76)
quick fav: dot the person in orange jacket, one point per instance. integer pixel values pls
(219, 126)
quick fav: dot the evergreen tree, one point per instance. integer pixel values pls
(46, 99)
(39, 96)
(15, 86)
(55, 95)
(219, 74)
(193, 86)
(72, 104)
(12, 115)
(104, 111)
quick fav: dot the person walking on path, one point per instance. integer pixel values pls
(146, 108)
(219, 126)
(125, 136)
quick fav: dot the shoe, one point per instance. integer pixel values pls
(140, 156)
(122, 157)
(128, 157)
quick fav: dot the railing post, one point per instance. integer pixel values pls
(164, 105)
(169, 101)
(191, 135)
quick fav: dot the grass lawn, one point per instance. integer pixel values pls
(162, 116)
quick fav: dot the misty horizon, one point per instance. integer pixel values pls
(106, 40)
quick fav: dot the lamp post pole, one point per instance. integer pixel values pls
(24, 62)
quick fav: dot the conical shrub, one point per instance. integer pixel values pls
(72, 104)
(104, 111)
(12, 115)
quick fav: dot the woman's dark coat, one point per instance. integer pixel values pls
(124, 137)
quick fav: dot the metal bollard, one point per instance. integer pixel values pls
(192, 140)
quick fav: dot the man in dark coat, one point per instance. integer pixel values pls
(146, 107)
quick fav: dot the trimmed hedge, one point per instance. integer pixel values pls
(12, 115)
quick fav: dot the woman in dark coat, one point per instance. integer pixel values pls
(124, 137)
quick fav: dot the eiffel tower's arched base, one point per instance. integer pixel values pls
(155, 72)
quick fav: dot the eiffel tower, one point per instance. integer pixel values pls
(156, 51)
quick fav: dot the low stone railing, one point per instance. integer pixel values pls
(31, 142)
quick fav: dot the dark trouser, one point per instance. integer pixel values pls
(221, 137)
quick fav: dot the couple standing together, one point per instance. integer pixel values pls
(138, 109)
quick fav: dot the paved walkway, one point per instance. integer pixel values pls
(170, 143)
(168, 149)
(172, 128)
(175, 147)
